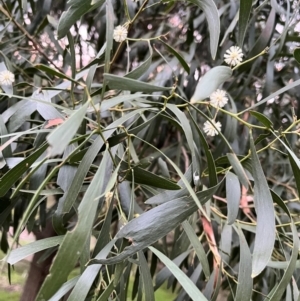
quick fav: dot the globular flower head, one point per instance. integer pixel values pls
(218, 98)
(120, 33)
(211, 130)
(233, 56)
(6, 78)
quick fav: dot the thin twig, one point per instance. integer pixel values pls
(30, 38)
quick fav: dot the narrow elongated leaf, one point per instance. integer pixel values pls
(245, 282)
(146, 276)
(67, 172)
(225, 243)
(212, 15)
(239, 170)
(265, 228)
(163, 167)
(65, 85)
(104, 235)
(284, 32)
(65, 204)
(194, 277)
(297, 54)
(264, 38)
(282, 265)
(47, 192)
(143, 67)
(198, 248)
(21, 116)
(217, 284)
(77, 8)
(186, 183)
(47, 111)
(296, 169)
(6, 152)
(211, 82)
(233, 196)
(262, 137)
(262, 118)
(65, 288)
(278, 291)
(74, 242)
(62, 135)
(230, 28)
(294, 161)
(54, 72)
(86, 279)
(167, 196)
(152, 225)
(72, 58)
(13, 109)
(182, 278)
(83, 168)
(34, 247)
(178, 56)
(279, 9)
(114, 140)
(123, 83)
(165, 273)
(213, 179)
(10, 178)
(186, 127)
(92, 70)
(157, 222)
(244, 14)
(273, 95)
(111, 102)
(142, 176)
(109, 34)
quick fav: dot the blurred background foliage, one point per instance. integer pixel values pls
(102, 154)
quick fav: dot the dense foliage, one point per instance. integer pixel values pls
(155, 141)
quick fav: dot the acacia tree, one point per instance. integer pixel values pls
(167, 132)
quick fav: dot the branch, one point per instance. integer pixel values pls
(30, 38)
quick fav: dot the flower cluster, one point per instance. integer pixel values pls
(212, 128)
(6, 78)
(233, 56)
(218, 98)
(120, 33)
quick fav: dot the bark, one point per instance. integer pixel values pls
(38, 270)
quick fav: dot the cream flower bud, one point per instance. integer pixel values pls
(233, 56)
(6, 78)
(120, 33)
(218, 98)
(211, 130)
